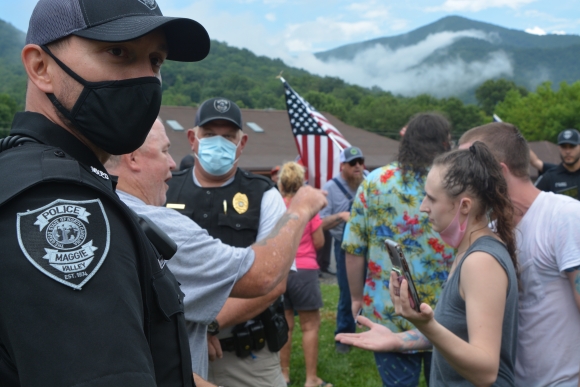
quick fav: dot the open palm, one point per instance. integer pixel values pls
(378, 338)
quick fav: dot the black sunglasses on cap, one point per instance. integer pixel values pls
(354, 162)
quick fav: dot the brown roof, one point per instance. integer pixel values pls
(546, 151)
(276, 144)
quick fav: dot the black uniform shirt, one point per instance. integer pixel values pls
(560, 180)
(53, 334)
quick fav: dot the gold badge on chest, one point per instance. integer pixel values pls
(240, 203)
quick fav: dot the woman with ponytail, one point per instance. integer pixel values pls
(303, 289)
(473, 330)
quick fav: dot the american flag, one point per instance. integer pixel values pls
(317, 140)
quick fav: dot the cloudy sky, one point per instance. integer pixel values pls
(293, 30)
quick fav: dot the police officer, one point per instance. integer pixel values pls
(239, 208)
(564, 178)
(86, 298)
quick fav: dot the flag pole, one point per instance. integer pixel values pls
(335, 142)
(330, 135)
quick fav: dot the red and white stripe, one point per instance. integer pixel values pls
(318, 152)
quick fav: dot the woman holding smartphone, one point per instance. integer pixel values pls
(474, 328)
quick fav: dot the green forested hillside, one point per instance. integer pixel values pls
(12, 77)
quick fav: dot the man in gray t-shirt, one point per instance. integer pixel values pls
(208, 270)
(341, 191)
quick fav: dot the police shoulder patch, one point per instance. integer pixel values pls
(66, 240)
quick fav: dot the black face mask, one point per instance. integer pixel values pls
(116, 116)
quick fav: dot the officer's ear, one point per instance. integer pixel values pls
(191, 137)
(243, 141)
(38, 66)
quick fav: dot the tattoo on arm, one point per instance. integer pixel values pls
(414, 340)
(279, 226)
(576, 277)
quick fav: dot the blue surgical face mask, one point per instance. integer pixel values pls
(216, 155)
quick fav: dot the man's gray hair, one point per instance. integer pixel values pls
(113, 162)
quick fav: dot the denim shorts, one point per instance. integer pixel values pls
(402, 369)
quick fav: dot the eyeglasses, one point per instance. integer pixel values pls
(354, 162)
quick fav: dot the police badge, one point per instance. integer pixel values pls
(62, 242)
(221, 105)
(151, 4)
(240, 203)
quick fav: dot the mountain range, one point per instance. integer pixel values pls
(525, 58)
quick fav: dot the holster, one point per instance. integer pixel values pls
(275, 325)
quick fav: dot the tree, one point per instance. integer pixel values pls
(491, 92)
(545, 113)
(8, 107)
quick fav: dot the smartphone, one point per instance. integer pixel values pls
(359, 313)
(401, 267)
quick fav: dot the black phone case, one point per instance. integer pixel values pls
(398, 260)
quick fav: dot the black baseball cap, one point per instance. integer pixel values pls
(218, 109)
(116, 21)
(569, 136)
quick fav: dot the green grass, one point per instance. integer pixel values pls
(355, 369)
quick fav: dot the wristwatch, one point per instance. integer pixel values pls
(213, 328)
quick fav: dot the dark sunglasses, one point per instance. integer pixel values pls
(354, 162)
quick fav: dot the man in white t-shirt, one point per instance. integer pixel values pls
(548, 352)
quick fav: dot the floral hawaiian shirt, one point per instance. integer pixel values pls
(387, 207)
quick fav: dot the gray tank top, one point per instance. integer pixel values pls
(450, 312)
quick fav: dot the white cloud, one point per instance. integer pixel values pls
(243, 29)
(557, 25)
(401, 71)
(477, 5)
(322, 30)
(398, 24)
(370, 10)
(535, 31)
(250, 30)
(376, 11)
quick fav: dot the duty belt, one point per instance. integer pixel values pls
(246, 339)
(269, 327)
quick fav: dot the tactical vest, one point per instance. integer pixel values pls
(27, 166)
(230, 213)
